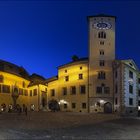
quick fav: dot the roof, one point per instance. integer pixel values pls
(13, 69)
(51, 79)
(74, 62)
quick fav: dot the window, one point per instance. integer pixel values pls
(20, 91)
(101, 52)
(35, 92)
(66, 78)
(102, 63)
(5, 89)
(116, 88)
(101, 42)
(116, 101)
(139, 80)
(80, 76)
(52, 92)
(73, 105)
(30, 92)
(130, 89)
(73, 90)
(116, 74)
(65, 106)
(130, 74)
(98, 89)
(23, 84)
(102, 34)
(138, 103)
(81, 68)
(130, 101)
(82, 89)
(1, 79)
(64, 89)
(65, 71)
(139, 92)
(106, 90)
(101, 75)
(26, 92)
(83, 105)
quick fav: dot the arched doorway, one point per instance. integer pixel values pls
(108, 107)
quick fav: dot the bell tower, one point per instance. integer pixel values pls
(101, 56)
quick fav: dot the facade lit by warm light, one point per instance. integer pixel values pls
(98, 83)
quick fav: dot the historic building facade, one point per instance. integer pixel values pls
(98, 83)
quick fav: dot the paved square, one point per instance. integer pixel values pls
(66, 125)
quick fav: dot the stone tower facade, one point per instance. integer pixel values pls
(101, 56)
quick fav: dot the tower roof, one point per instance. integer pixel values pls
(101, 15)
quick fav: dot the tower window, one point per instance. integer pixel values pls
(116, 101)
(101, 75)
(102, 63)
(98, 89)
(102, 34)
(101, 42)
(101, 52)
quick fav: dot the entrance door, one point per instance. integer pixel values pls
(107, 107)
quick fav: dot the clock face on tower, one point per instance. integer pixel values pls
(102, 25)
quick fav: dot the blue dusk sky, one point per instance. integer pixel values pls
(41, 35)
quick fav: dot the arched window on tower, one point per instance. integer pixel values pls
(102, 34)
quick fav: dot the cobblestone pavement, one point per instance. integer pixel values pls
(66, 125)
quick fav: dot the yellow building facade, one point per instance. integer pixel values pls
(98, 83)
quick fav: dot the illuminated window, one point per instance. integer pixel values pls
(35, 92)
(66, 78)
(82, 89)
(101, 52)
(130, 74)
(64, 90)
(65, 106)
(106, 90)
(102, 34)
(80, 76)
(83, 105)
(1, 79)
(5, 89)
(130, 88)
(101, 75)
(102, 63)
(52, 92)
(73, 105)
(31, 92)
(73, 90)
(130, 101)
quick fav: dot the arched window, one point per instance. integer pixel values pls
(102, 34)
